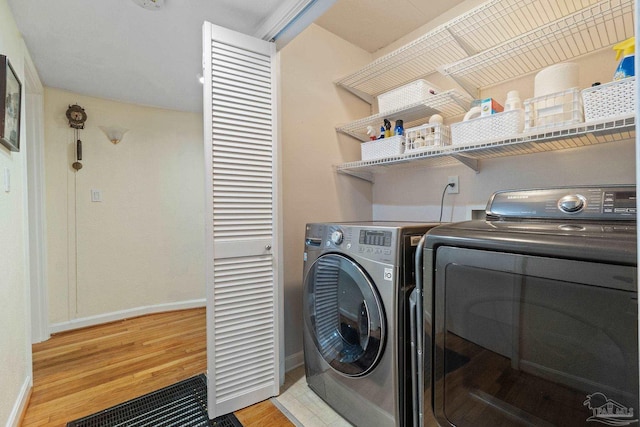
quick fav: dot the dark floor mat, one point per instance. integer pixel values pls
(183, 404)
(228, 420)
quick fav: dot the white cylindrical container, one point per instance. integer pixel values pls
(556, 78)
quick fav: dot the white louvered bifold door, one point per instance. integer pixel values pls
(243, 326)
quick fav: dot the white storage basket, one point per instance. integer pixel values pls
(487, 128)
(553, 110)
(609, 100)
(426, 137)
(384, 147)
(406, 95)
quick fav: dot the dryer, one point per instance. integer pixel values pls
(529, 317)
(357, 281)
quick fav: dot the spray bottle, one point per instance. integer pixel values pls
(627, 49)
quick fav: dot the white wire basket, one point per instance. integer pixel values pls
(406, 95)
(609, 100)
(482, 129)
(426, 137)
(553, 110)
(384, 147)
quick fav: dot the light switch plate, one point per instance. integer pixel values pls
(7, 180)
(96, 195)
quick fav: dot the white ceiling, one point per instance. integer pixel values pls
(374, 24)
(117, 50)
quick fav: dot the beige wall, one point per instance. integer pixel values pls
(15, 349)
(143, 245)
(311, 106)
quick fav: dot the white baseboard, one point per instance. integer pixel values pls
(21, 403)
(124, 314)
(293, 361)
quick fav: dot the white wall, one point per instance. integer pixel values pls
(142, 248)
(15, 348)
(311, 106)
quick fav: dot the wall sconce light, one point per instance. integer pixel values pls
(115, 134)
(150, 4)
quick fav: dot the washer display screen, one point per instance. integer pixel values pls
(375, 238)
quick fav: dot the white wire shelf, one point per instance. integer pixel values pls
(572, 136)
(475, 31)
(450, 103)
(588, 30)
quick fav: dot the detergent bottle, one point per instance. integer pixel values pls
(627, 49)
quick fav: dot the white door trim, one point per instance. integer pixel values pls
(36, 203)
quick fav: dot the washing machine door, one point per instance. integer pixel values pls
(344, 314)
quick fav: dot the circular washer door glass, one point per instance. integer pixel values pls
(344, 315)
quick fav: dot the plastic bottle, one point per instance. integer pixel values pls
(399, 129)
(381, 132)
(626, 49)
(387, 128)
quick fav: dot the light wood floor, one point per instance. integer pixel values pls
(81, 372)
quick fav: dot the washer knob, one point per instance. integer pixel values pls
(337, 237)
(572, 203)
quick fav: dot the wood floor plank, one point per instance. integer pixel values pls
(263, 414)
(78, 373)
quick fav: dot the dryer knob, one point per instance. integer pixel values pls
(572, 203)
(337, 237)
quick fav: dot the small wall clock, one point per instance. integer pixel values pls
(76, 116)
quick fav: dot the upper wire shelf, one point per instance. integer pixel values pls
(449, 103)
(588, 30)
(566, 137)
(473, 32)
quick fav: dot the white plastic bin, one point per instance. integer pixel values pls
(613, 99)
(487, 128)
(426, 137)
(384, 147)
(553, 110)
(406, 95)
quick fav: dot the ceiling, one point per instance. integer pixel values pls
(118, 50)
(374, 24)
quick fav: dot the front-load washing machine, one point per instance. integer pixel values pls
(357, 282)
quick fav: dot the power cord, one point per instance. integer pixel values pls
(450, 184)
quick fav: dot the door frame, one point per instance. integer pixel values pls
(36, 203)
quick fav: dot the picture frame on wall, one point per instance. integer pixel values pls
(10, 107)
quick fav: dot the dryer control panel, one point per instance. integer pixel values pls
(616, 202)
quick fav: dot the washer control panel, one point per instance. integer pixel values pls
(373, 242)
(617, 202)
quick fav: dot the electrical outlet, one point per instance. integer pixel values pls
(456, 186)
